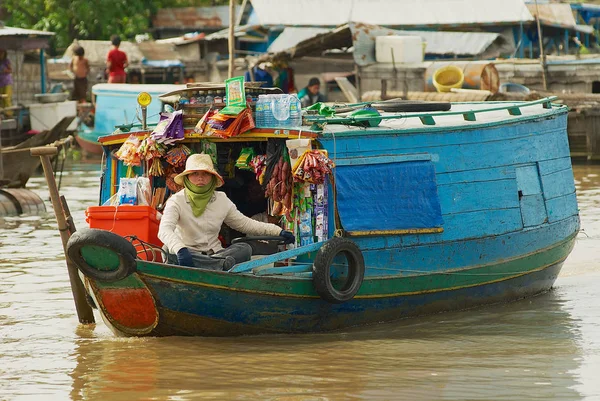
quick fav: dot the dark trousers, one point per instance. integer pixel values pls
(225, 259)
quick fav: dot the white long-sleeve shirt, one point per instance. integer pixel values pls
(179, 228)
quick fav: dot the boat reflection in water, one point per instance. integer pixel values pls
(488, 353)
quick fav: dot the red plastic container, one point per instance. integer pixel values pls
(141, 221)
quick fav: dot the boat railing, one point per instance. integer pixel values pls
(428, 118)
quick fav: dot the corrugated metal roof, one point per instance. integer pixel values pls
(184, 40)
(23, 39)
(291, 36)
(246, 33)
(438, 43)
(558, 15)
(11, 31)
(390, 12)
(362, 38)
(193, 17)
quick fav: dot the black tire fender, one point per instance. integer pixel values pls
(119, 246)
(322, 270)
(407, 106)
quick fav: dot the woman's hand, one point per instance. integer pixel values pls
(288, 237)
(184, 258)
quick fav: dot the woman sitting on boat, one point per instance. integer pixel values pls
(192, 219)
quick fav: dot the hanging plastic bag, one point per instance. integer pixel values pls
(170, 128)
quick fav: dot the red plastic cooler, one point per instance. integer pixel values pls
(141, 221)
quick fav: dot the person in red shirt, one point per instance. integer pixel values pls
(116, 62)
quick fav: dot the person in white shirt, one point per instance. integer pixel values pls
(192, 218)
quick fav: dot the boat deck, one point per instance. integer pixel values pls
(461, 115)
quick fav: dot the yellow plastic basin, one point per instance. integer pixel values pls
(448, 77)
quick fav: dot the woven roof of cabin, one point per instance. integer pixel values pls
(390, 12)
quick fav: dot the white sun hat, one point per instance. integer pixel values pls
(199, 162)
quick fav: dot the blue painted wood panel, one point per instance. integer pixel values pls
(455, 151)
(477, 196)
(551, 166)
(485, 174)
(528, 180)
(457, 254)
(561, 207)
(558, 183)
(533, 210)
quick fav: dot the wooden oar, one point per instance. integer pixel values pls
(84, 310)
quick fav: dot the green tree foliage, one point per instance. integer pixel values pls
(95, 19)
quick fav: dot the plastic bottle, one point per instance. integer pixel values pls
(295, 111)
(281, 110)
(200, 97)
(269, 120)
(210, 97)
(259, 115)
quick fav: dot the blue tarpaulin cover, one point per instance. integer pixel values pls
(388, 196)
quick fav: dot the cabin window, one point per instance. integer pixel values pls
(390, 194)
(596, 87)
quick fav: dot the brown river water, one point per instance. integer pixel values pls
(544, 348)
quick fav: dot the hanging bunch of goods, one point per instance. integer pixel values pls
(278, 179)
(259, 166)
(151, 151)
(177, 155)
(128, 152)
(291, 173)
(312, 166)
(244, 159)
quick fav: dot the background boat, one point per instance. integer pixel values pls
(17, 165)
(116, 104)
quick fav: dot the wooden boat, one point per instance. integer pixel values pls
(428, 212)
(115, 104)
(15, 164)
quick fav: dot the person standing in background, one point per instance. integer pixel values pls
(310, 94)
(80, 67)
(6, 82)
(116, 62)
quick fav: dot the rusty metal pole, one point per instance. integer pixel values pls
(231, 37)
(84, 311)
(541, 44)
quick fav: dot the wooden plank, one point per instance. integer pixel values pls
(485, 174)
(533, 211)
(478, 196)
(551, 166)
(528, 180)
(427, 256)
(247, 266)
(348, 89)
(558, 184)
(448, 157)
(562, 207)
(383, 159)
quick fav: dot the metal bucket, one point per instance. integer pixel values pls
(16, 201)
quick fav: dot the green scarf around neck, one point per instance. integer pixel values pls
(199, 196)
